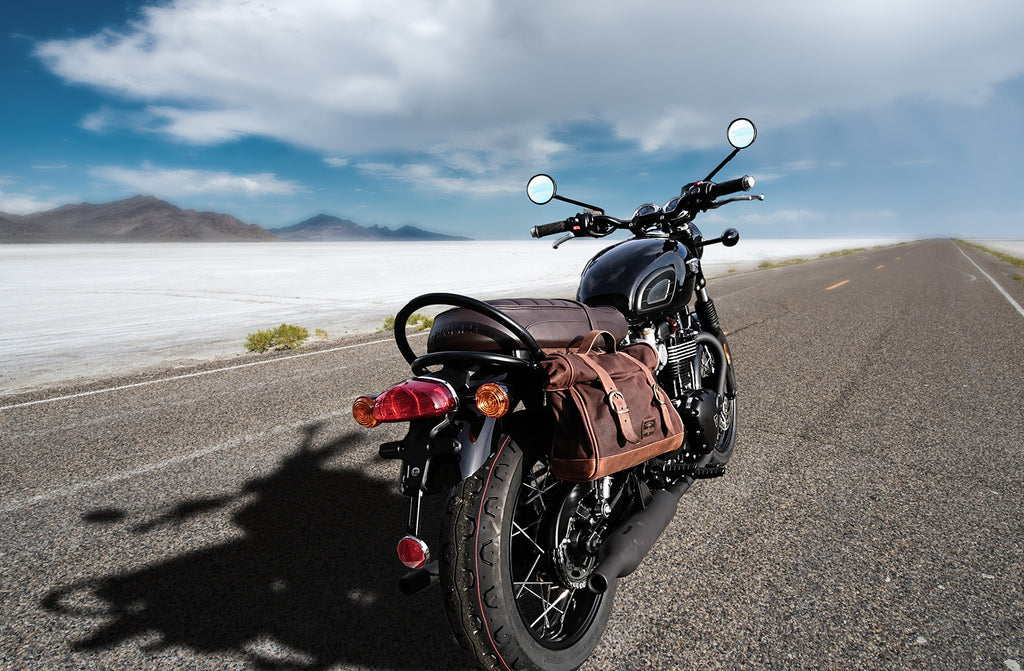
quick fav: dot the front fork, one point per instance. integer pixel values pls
(708, 316)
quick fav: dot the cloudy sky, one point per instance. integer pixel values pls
(874, 117)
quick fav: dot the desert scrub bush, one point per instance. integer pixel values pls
(843, 252)
(764, 265)
(320, 333)
(419, 321)
(284, 336)
(260, 341)
(1002, 256)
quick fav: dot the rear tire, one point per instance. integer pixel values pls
(504, 599)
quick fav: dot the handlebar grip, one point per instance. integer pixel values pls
(551, 229)
(744, 183)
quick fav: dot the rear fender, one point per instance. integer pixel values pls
(475, 449)
(435, 456)
(530, 428)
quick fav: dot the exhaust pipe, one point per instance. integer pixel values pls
(631, 542)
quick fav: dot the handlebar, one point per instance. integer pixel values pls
(583, 224)
(700, 196)
(551, 229)
(744, 183)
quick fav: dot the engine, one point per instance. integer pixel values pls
(682, 375)
(677, 375)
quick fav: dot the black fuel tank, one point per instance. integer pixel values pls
(639, 277)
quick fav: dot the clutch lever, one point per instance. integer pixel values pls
(565, 238)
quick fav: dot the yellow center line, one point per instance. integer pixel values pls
(880, 267)
(837, 285)
(898, 258)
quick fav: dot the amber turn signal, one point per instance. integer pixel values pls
(492, 400)
(362, 410)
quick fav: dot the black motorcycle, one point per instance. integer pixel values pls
(528, 563)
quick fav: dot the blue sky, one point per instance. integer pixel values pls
(874, 118)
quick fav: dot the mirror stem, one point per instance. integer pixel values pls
(579, 204)
(720, 165)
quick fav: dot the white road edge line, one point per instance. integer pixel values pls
(994, 283)
(190, 375)
(60, 492)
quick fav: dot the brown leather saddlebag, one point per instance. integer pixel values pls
(609, 412)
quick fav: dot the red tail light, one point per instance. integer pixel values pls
(414, 399)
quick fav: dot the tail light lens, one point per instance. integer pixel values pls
(414, 399)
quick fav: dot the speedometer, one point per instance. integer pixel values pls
(646, 210)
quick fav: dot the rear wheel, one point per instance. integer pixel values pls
(506, 574)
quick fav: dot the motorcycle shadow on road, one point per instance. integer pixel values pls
(311, 584)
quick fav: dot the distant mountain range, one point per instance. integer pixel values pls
(149, 219)
(324, 227)
(138, 219)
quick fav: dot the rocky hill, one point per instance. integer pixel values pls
(138, 219)
(324, 227)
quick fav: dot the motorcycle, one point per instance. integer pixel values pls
(527, 562)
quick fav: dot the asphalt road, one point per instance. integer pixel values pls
(872, 516)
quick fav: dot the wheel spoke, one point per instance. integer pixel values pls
(553, 605)
(519, 531)
(536, 485)
(552, 610)
(529, 573)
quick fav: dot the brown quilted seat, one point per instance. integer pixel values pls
(553, 322)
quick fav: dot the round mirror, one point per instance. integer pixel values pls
(741, 133)
(540, 189)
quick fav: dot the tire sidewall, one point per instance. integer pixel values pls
(515, 646)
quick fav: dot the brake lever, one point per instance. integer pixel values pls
(714, 205)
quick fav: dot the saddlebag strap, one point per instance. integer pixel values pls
(613, 396)
(660, 396)
(589, 340)
(606, 415)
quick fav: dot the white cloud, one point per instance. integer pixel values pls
(336, 161)
(480, 83)
(780, 217)
(801, 165)
(430, 178)
(19, 203)
(171, 183)
(772, 173)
